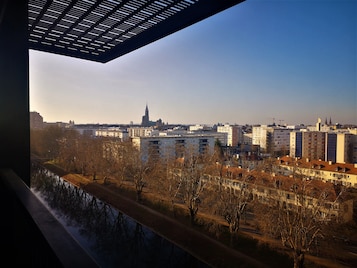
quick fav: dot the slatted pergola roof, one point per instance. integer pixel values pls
(104, 30)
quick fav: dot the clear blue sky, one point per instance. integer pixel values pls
(292, 60)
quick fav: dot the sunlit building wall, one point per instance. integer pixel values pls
(174, 146)
(140, 131)
(234, 134)
(295, 144)
(260, 136)
(112, 133)
(280, 139)
(345, 147)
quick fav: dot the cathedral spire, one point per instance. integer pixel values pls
(147, 111)
(145, 119)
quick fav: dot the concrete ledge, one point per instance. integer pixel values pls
(19, 201)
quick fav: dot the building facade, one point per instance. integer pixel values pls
(313, 144)
(118, 133)
(281, 189)
(272, 139)
(331, 147)
(140, 131)
(327, 171)
(296, 144)
(234, 134)
(345, 144)
(339, 147)
(36, 120)
(280, 140)
(260, 137)
(174, 146)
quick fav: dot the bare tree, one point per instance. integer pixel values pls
(232, 194)
(166, 181)
(300, 223)
(68, 150)
(138, 170)
(192, 174)
(45, 143)
(116, 162)
(233, 206)
(85, 152)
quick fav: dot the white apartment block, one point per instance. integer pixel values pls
(295, 144)
(112, 133)
(281, 139)
(196, 127)
(234, 134)
(271, 139)
(346, 148)
(259, 136)
(174, 145)
(140, 131)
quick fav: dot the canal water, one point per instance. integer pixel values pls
(112, 238)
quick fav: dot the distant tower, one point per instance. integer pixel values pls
(318, 124)
(145, 120)
(330, 122)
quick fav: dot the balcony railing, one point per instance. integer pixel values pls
(31, 235)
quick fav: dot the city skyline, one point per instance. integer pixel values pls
(258, 62)
(144, 123)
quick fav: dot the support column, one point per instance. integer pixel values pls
(14, 88)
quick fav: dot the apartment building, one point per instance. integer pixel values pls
(36, 120)
(270, 188)
(280, 140)
(174, 145)
(327, 171)
(140, 131)
(340, 147)
(330, 147)
(313, 144)
(118, 133)
(345, 148)
(296, 144)
(260, 137)
(234, 134)
(272, 139)
(196, 127)
(247, 138)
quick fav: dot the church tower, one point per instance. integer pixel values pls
(145, 122)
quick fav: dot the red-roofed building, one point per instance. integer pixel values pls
(327, 171)
(289, 191)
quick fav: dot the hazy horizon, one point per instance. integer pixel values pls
(294, 61)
